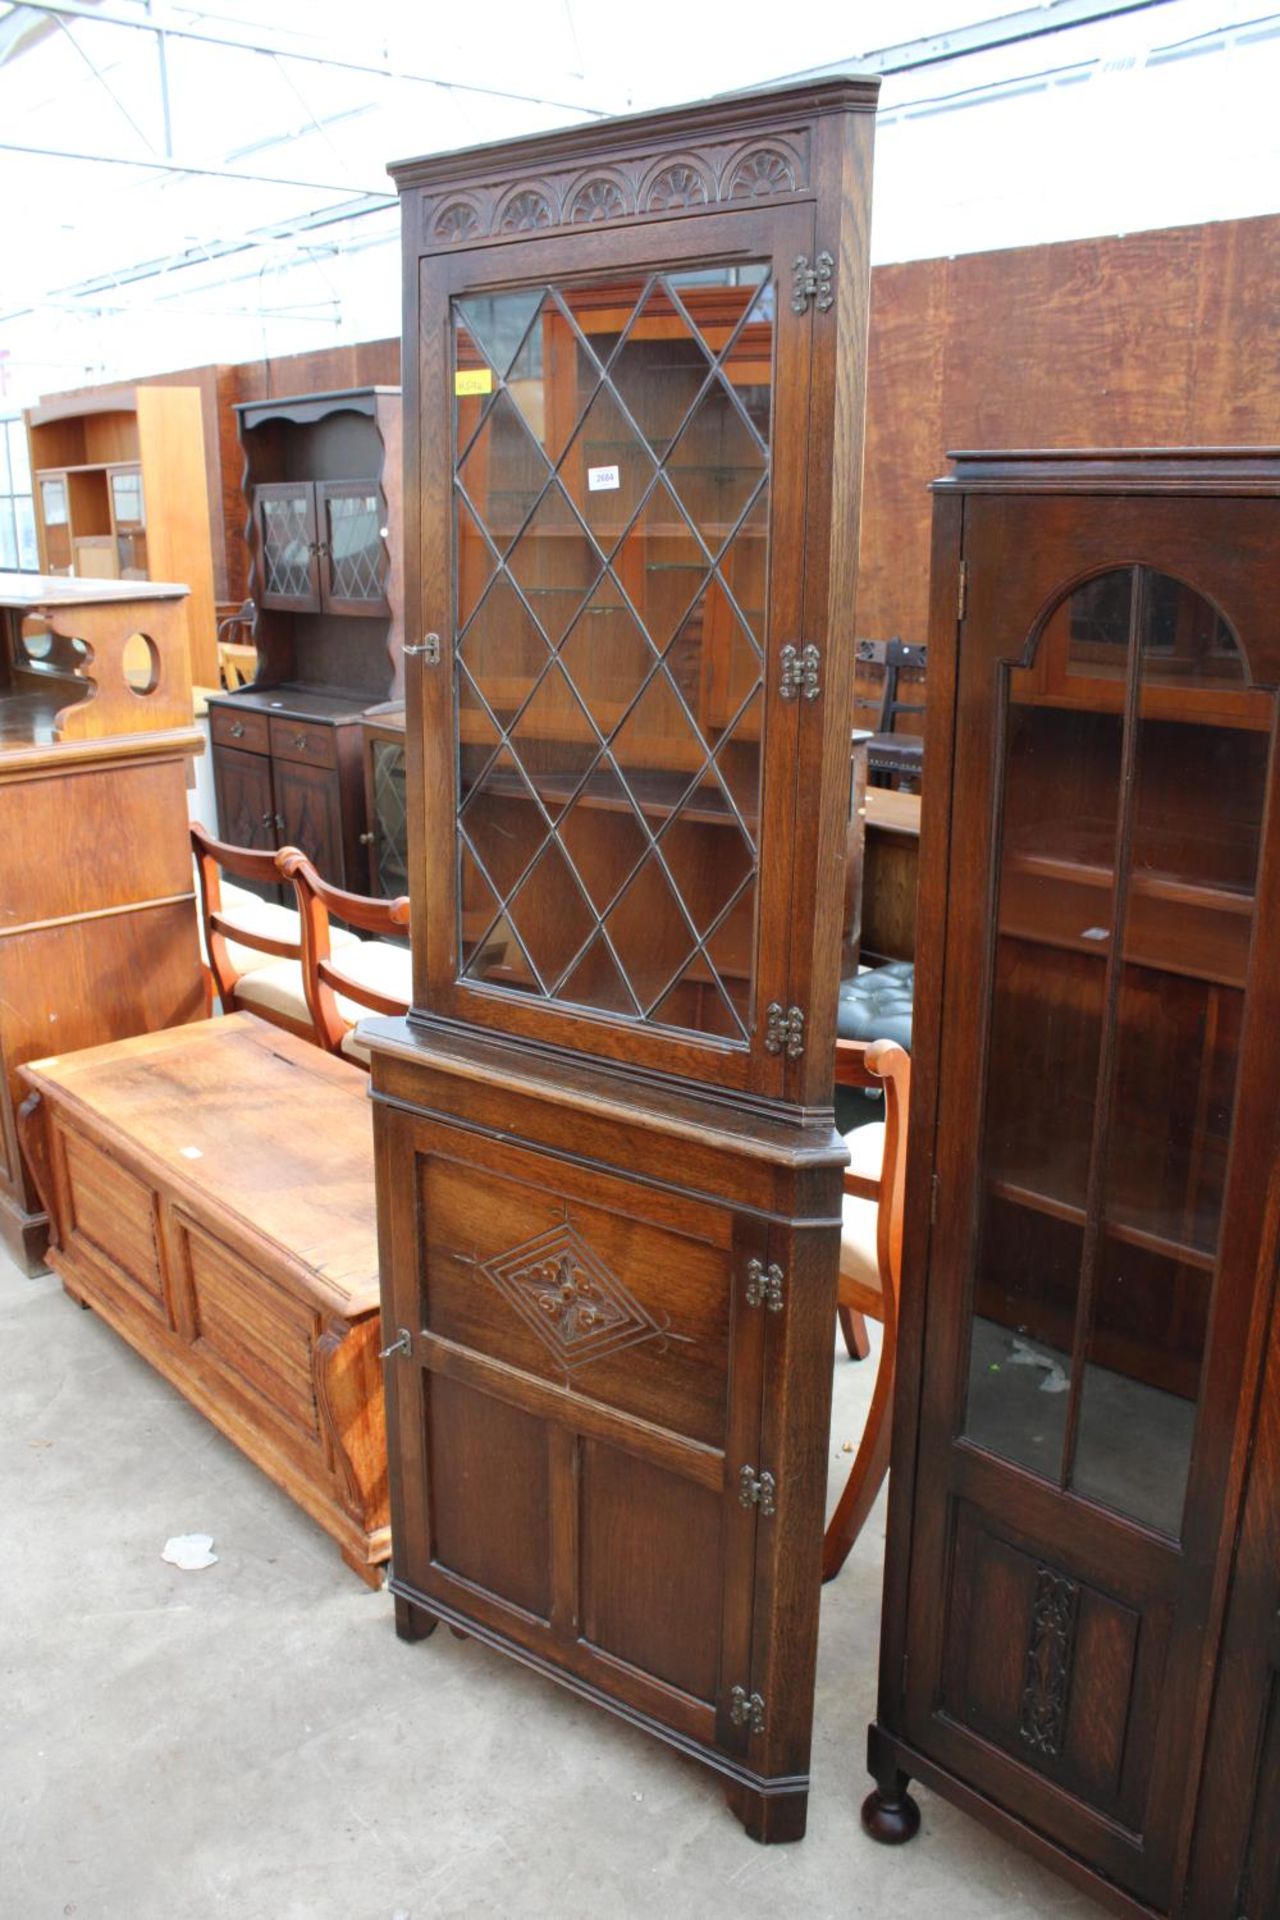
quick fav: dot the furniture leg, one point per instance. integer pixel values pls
(853, 1325)
(373, 1576)
(413, 1622)
(867, 1474)
(889, 1814)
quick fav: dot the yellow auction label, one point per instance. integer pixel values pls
(473, 380)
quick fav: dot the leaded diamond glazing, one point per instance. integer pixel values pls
(354, 534)
(286, 547)
(611, 465)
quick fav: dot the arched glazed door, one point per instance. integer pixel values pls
(1090, 1264)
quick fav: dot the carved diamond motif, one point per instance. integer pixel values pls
(562, 1289)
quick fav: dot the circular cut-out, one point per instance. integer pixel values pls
(141, 663)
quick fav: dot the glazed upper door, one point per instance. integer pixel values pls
(613, 502)
(288, 550)
(350, 516)
(1096, 1154)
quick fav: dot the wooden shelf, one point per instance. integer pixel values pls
(1116, 1226)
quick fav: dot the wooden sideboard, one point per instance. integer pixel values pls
(97, 914)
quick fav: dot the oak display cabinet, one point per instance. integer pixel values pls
(1090, 1247)
(609, 1183)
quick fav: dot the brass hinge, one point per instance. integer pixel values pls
(812, 282)
(746, 1709)
(784, 1027)
(801, 672)
(764, 1285)
(962, 591)
(403, 1343)
(756, 1491)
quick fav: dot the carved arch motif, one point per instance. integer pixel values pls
(679, 184)
(760, 173)
(524, 211)
(457, 221)
(599, 198)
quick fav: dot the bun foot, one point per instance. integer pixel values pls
(891, 1818)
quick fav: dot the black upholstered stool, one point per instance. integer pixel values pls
(875, 1005)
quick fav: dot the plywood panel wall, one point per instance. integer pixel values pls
(1150, 339)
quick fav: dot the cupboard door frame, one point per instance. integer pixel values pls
(301, 791)
(1008, 546)
(303, 490)
(331, 601)
(788, 834)
(235, 770)
(409, 1142)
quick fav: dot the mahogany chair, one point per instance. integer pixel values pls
(870, 1269)
(344, 978)
(253, 947)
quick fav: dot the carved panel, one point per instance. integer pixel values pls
(1049, 1658)
(564, 1291)
(644, 186)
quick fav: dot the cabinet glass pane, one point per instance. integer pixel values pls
(286, 547)
(1198, 790)
(1129, 831)
(391, 829)
(611, 476)
(126, 499)
(353, 531)
(53, 502)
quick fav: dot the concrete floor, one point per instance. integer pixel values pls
(253, 1741)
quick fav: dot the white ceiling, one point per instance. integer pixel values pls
(222, 202)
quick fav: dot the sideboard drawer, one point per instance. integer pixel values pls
(303, 740)
(246, 729)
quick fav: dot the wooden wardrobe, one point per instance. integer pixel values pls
(1079, 1639)
(608, 1178)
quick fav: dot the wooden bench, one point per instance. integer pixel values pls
(211, 1195)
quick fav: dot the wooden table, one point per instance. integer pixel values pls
(97, 916)
(890, 859)
(211, 1195)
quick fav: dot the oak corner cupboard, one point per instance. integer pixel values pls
(1079, 1638)
(609, 1181)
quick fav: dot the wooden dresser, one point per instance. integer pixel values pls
(609, 1183)
(322, 498)
(1080, 1610)
(97, 915)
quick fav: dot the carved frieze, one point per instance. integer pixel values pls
(646, 186)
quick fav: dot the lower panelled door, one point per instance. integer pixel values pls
(571, 1423)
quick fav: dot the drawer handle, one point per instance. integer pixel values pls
(236, 729)
(367, 839)
(299, 739)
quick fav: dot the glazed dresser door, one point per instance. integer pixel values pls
(603, 481)
(1101, 1157)
(581, 1395)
